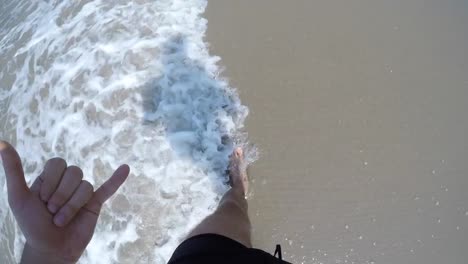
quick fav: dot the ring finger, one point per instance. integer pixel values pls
(69, 183)
(81, 196)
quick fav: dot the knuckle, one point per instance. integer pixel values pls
(87, 186)
(75, 171)
(57, 162)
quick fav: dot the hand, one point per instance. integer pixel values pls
(59, 212)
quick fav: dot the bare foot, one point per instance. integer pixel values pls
(238, 171)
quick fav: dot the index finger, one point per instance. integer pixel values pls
(16, 184)
(103, 193)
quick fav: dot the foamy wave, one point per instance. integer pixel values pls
(102, 83)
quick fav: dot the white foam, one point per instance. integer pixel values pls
(102, 83)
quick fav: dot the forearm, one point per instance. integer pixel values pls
(34, 256)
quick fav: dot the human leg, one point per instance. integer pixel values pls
(231, 217)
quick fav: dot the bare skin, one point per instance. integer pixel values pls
(231, 217)
(59, 212)
(238, 171)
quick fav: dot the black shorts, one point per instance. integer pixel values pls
(217, 249)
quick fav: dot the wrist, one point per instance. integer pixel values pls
(31, 255)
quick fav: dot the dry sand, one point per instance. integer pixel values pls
(360, 111)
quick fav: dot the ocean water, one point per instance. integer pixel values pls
(101, 83)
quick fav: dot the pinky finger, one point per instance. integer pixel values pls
(108, 189)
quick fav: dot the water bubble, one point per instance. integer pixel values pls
(366, 163)
(360, 237)
(458, 228)
(437, 203)
(374, 244)
(433, 172)
(346, 227)
(388, 68)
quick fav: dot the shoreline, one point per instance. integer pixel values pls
(347, 111)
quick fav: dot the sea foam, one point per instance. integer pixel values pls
(101, 83)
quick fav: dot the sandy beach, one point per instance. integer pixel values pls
(359, 111)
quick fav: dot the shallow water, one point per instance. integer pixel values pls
(359, 111)
(358, 108)
(101, 83)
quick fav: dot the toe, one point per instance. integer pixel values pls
(238, 152)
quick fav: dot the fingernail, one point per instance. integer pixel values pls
(52, 208)
(59, 219)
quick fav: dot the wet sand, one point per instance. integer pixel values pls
(359, 109)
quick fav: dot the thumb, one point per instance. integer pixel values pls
(16, 184)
